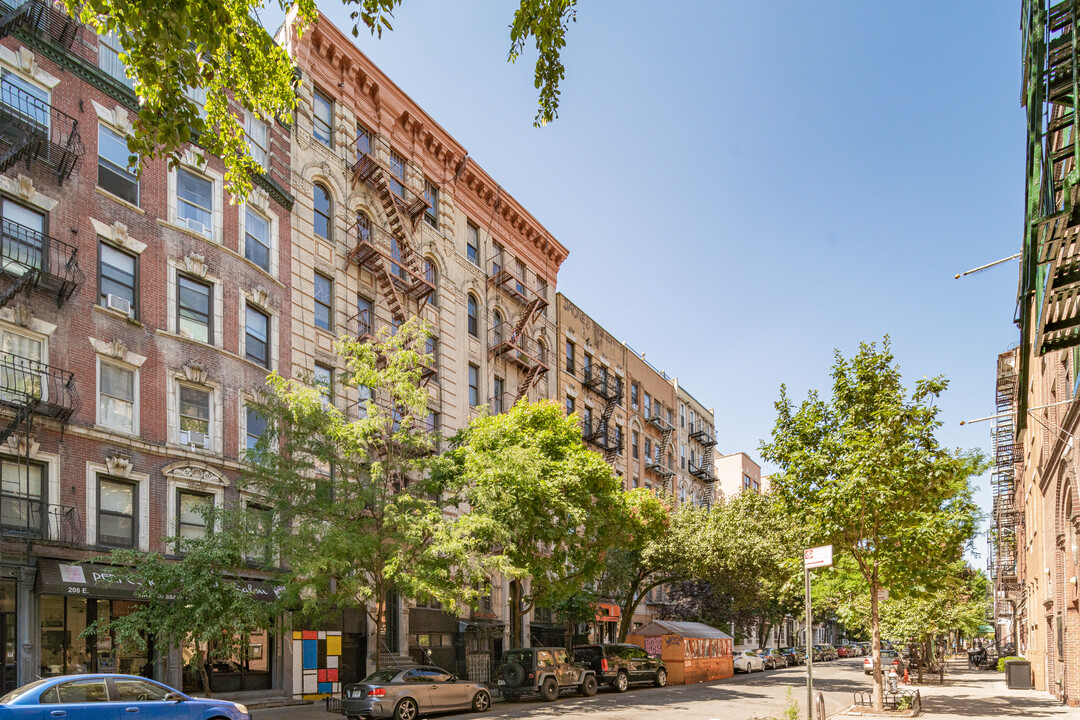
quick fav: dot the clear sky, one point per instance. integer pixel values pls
(746, 186)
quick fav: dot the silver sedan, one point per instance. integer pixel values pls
(405, 693)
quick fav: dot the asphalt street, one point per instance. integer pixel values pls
(742, 697)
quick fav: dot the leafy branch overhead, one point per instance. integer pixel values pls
(190, 59)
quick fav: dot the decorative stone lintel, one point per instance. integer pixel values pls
(195, 264)
(118, 233)
(194, 372)
(118, 464)
(17, 445)
(196, 472)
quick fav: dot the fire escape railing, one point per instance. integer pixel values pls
(385, 255)
(42, 17)
(33, 259)
(608, 386)
(704, 433)
(32, 130)
(502, 278)
(29, 387)
(371, 171)
(601, 434)
(25, 515)
(518, 348)
(702, 469)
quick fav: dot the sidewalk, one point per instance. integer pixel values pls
(982, 694)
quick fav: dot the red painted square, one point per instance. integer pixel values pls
(331, 675)
(322, 676)
(311, 634)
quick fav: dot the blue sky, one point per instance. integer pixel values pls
(745, 187)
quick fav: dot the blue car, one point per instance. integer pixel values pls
(111, 697)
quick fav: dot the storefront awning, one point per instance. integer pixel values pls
(99, 580)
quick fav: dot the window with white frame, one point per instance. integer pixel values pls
(195, 202)
(257, 133)
(254, 427)
(194, 512)
(197, 95)
(23, 356)
(22, 496)
(324, 302)
(117, 520)
(109, 61)
(116, 174)
(257, 238)
(26, 101)
(431, 194)
(22, 244)
(257, 336)
(194, 416)
(116, 397)
(194, 316)
(323, 120)
(118, 279)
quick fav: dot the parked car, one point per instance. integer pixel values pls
(406, 693)
(93, 696)
(620, 664)
(748, 661)
(841, 651)
(545, 671)
(889, 658)
(823, 653)
(773, 658)
(795, 656)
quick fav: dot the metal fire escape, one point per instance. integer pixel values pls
(1007, 515)
(704, 434)
(513, 342)
(608, 388)
(42, 18)
(656, 464)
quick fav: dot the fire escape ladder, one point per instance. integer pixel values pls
(393, 300)
(528, 379)
(26, 15)
(22, 413)
(24, 283)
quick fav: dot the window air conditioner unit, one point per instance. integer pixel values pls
(198, 227)
(115, 302)
(193, 438)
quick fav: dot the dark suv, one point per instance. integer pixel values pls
(618, 665)
(545, 671)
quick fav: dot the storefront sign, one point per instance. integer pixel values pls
(104, 581)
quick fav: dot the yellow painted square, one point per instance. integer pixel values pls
(333, 644)
(297, 635)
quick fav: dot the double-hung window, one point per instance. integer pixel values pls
(258, 139)
(323, 122)
(28, 103)
(194, 416)
(194, 511)
(257, 337)
(23, 242)
(257, 239)
(254, 427)
(324, 382)
(324, 302)
(472, 244)
(116, 174)
(22, 496)
(363, 141)
(397, 175)
(116, 397)
(117, 278)
(569, 357)
(117, 519)
(474, 316)
(499, 388)
(194, 300)
(474, 385)
(109, 61)
(431, 194)
(195, 202)
(323, 226)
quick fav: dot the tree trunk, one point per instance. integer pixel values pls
(202, 668)
(875, 628)
(380, 607)
(515, 615)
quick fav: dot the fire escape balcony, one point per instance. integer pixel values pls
(657, 420)
(604, 384)
(35, 260)
(704, 433)
(381, 253)
(365, 326)
(29, 387)
(32, 130)
(379, 177)
(518, 348)
(600, 434)
(502, 278)
(41, 17)
(655, 464)
(24, 515)
(702, 470)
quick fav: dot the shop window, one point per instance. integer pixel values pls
(64, 651)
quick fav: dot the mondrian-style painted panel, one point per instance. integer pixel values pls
(316, 657)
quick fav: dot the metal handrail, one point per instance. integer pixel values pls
(503, 339)
(600, 434)
(604, 384)
(24, 250)
(21, 111)
(29, 383)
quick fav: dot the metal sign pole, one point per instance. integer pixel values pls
(809, 650)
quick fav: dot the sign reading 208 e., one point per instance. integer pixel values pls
(818, 557)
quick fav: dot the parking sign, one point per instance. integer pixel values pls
(817, 557)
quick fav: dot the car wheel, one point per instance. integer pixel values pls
(661, 678)
(406, 710)
(588, 686)
(481, 701)
(622, 682)
(549, 690)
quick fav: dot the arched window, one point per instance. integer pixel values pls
(498, 327)
(541, 347)
(431, 274)
(323, 224)
(474, 317)
(363, 227)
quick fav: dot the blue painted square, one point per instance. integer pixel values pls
(326, 687)
(311, 654)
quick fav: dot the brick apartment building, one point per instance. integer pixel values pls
(137, 311)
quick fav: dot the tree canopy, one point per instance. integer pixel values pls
(189, 58)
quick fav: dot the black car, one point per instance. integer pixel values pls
(546, 671)
(794, 655)
(620, 664)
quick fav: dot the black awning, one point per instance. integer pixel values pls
(98, 580)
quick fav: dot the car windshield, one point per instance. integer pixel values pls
(381, 677)
(521, 657)
(588, 652)
(19, 692)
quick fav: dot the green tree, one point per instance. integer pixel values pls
(546, 506)
(863, 471)
(195, 601)
(358, 516)
(176, 50)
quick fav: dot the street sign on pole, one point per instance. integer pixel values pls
(818, 557)
(882, 594)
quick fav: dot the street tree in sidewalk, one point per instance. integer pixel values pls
(179, 51)
(548, 508)
(358, 517)
(195, 601)
(864, 472)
